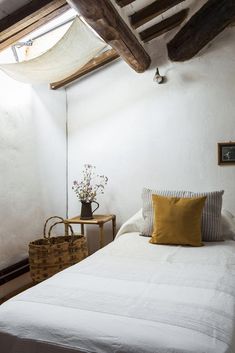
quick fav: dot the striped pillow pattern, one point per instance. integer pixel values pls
(211, 216)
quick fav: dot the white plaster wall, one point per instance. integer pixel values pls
(161, 136)
(32, 164)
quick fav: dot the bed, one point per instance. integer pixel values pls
(130, 296)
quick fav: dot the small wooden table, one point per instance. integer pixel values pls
(99, 220)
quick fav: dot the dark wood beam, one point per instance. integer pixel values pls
(28, 18)
(123, 3)
(153, 10)
(204, 26)
(164, 26)
(105, 20)
(93, 65)
(20, 14)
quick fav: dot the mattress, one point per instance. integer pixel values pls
(130, 296)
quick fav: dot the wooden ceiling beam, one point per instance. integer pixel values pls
(93, 65)
(205, 25)
(28, 18)
(22, 13)
(163, 26)
(123, 3)
(151, 11)
(105, 20)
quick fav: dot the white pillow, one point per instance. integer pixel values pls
(227, 225)
(133, 224)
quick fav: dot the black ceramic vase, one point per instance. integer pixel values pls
(86, 210)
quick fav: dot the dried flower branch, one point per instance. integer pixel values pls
(91, 184)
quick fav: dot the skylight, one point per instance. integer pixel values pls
(54, 52)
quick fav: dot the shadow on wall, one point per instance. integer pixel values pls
(95, 106)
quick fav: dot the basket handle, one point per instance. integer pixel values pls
(53, 225)
(45, 225)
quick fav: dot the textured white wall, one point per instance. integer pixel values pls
(32, 164)
(162, 136)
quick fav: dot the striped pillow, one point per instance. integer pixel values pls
(211, 216)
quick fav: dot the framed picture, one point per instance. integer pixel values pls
(226, 153)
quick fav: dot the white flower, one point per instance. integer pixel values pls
(90, 186)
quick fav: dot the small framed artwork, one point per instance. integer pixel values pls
(226, 153)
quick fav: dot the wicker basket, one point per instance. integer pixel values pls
(50, 255)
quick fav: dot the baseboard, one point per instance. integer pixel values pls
(11, 272)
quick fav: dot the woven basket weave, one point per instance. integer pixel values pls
(50, 255)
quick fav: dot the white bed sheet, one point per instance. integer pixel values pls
(131, 296)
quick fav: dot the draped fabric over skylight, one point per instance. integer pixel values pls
(79, 45)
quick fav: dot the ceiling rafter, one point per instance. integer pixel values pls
(164, 26)
(151, 11)
(102, 16)
(211, 19)
(123, 3)
(100, 61)
(28, 18)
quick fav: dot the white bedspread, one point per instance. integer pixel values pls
(131, 296)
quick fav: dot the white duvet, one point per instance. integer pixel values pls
(131, 296)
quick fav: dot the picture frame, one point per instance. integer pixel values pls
(226, 153)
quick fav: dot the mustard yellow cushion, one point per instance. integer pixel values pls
(177, 220)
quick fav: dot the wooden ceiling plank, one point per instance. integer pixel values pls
(25, 31)
(211, 19)
(163, 26)
(123, 3)
(94, 64)
(151, 11)
(105, 20)
(26, 15)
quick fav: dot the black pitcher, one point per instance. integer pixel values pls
(86, 210)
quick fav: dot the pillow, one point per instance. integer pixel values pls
(133, 224)
(177, 220)
(211, 216)
(147, 210)
(227, 224)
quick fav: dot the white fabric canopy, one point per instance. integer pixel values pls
(78, 46)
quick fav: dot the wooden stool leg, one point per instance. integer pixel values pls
(101, 226)
(114, 226)
(82, 229)
(66, 229)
